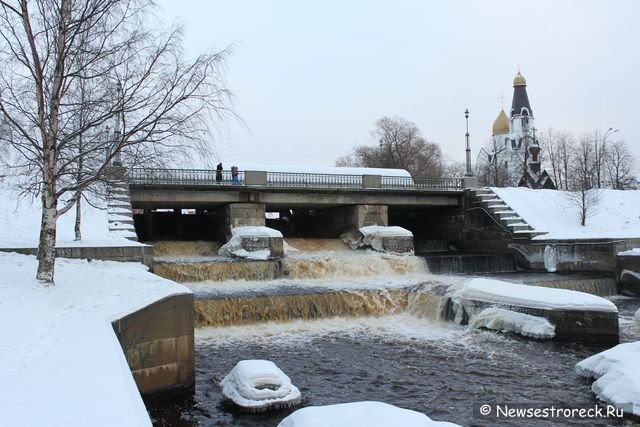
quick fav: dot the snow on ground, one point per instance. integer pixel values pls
(500, 292)
(233, 248)
(259, 385)
(359, 414)
(616, 372)
(503, 320)
(62, 364)
(20, 222)
(615, 216)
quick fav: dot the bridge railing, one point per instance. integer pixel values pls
(140, 176)
(313, 180)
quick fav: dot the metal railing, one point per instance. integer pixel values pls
(313, 180)
(207, 177)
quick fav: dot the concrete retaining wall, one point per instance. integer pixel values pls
(143, 253)
(158, 342)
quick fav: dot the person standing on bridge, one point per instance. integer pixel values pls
(219, 173)
(234, 175)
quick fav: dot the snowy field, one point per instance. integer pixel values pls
(615, 216)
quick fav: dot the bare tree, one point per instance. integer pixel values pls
(583, 194)
(619, 164)
(492, 165)
(398, 144)
(559, 147)
(163, 105)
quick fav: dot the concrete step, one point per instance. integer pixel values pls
(520, 227)
(499, 206)
(120, 221)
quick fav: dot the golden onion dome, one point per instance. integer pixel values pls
(519, 80)
(501, 124)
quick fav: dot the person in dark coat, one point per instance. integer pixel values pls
(219, 173)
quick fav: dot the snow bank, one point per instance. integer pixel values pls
(500, 292)
(503, 320)
(20, 222)
(61, 361)
(617, 376)
(616, 215)
(359, 414)
(259, 385)
(233, 248)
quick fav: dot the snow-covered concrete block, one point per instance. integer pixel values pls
(254, 243)
(259, 385)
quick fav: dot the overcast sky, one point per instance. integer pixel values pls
(311, 78)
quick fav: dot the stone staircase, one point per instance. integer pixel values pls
(504, 215)
(119, 210)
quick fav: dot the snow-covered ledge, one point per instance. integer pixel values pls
(254, 242)
(61, 360)
(576, 316)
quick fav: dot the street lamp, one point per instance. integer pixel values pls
(468, 149)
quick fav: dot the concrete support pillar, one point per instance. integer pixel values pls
(470, 182)
(362, 215)
(371, 181)
(255, 178)
(244, 215)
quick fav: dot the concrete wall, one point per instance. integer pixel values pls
(143, 254)
(158, 342)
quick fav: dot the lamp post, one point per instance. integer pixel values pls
(468, 147)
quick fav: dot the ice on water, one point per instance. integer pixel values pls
(503, 320)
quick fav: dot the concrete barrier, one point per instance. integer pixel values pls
(158, 342)
(141, 253)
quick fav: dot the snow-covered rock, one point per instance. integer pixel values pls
(359, 414)
(616, 372)
(503, 320)
(500, 292)
(259, 385)
(237, 245)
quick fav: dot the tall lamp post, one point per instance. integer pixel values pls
(468, 149)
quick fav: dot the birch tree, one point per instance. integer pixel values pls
(49, 49)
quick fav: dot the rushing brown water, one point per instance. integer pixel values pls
(347, 344)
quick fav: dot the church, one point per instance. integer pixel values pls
(515, 143)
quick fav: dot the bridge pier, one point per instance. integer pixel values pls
(362, 215)
(244, 215)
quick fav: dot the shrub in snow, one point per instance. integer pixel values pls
(359, 414)
(503, 320)
(258, 386)
(617, 376)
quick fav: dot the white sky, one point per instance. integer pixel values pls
(311, 78)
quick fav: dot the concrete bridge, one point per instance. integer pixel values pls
(327, 204)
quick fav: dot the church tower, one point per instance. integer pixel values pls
(515, 143)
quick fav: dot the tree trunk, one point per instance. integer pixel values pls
(47, 243)
(78, 220)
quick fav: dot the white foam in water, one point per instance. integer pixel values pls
(401, 326)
